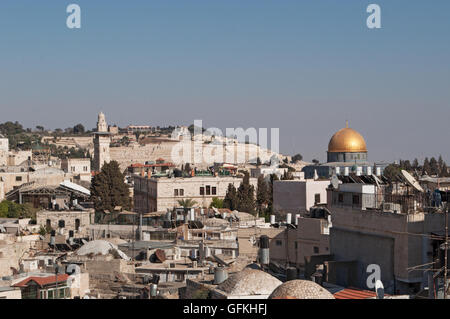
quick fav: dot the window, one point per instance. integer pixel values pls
(72, 168)
(61, 293)
(208, 190)
(18, 178)
(85, 168)
(181, 192)
(317, 199)
(61, 224)
(279, 243)
(316, 249)
(77, 224)
(214, 190)
(355, 199)
(296, 245)
(341, 198)
(202, 191)
(175, 192)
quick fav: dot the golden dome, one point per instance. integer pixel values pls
(347, 140)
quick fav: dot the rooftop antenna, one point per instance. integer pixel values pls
(346, 124)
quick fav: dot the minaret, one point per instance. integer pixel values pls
(102, 126)
(102, 140)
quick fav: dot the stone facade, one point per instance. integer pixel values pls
(79, 167)
(78, 221)
(160, 194)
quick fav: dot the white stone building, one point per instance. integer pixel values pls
(160, 194)
(298, 196)
(79, 167)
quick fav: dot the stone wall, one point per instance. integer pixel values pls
(69, 217)
(201, 155)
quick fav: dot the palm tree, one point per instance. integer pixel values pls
(187, 203)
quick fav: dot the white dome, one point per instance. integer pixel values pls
(249, 282)
(99, 247)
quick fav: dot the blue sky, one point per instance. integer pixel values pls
(302, 66)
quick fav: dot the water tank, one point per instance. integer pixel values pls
(288, 218)
(52, 238)
(358, 171)
(220, 275)
(153, 290)
(297, 216)
(272, 219)
(207, 252)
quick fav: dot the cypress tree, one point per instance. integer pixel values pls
(108, 188)
(262, 194)
(246, 196)
(230, 200)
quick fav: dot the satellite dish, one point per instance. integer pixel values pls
(412, 181)
(379, 289)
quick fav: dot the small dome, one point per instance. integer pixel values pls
(300, 289)
(99, 247)
(249, 282)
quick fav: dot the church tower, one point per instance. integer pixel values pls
(102, 139)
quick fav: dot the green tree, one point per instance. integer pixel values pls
(273, 177)
(78, 129)
(426, 169)
(262, 194)
(231, 201)
(187, 203)
(296, 158)
(415, 164)
(108, 188)
(391, 171)
(246, 196)
(444, 170)
(287, 176)
(216, 202)
(10, 209)
(434, 168)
